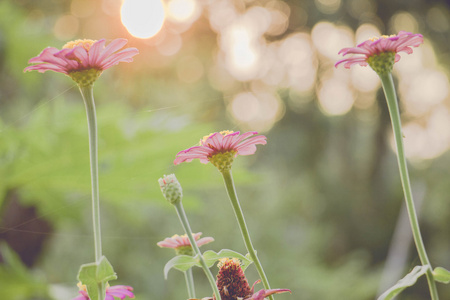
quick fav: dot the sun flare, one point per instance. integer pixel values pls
(143, 18)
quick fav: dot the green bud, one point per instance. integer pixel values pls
(171, 188)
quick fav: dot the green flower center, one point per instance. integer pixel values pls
(85, 77)
(223, 160)
(382, 63)
(184, 250)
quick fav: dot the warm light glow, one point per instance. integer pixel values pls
(241, 51)
(258, 111)
(181, 10)
(335, 98)
(329, 39)
(142, 18)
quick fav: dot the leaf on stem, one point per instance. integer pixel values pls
(211, 257)
(441, 275)
(409, 280)
(181, 263)
(185, 262)
(92, 275)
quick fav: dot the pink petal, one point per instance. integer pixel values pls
(248, 150)
(80, 55)
(242, 137)
(214, 141)
(204, 241)
(256, 140)
(122, 56)
(41, 68)
(112, 47)
(229, 139)
(95, 51)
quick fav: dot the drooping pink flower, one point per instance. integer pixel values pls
(365, 52)
(220, 148)
(119, 291)
(82, 56)
(232, 283)
(181, 243)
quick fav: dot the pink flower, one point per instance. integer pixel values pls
(221, 147)
(262, 294)
(119, 291)
(82, 55)
(181, 243)
(402, 42)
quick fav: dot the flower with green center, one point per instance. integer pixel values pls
(82, 60)
(220, 148)
(181, 244)
(381, 53)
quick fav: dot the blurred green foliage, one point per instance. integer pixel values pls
(321, 198)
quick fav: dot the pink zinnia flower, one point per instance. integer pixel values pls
(181, 243)
(368, 52)
(87, 56)
(119, 291)
(221, 148)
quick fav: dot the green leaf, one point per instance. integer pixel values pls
(93, 275)
(409, 280)
(180, 262)
(185, 262)
(441, 275)
(211, 257)
(105, 271)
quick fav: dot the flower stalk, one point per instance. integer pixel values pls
(88, 98)
(190, 283)
(391, 99)
(187, 228)
(231, 190)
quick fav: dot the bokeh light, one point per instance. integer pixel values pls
(182, 10)
(142, 18)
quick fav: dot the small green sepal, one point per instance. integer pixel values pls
(93, 275)
(409, 280)
(441, 275)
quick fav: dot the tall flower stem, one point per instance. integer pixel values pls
(229, 184)
(190, 283)
(88, 97)
(187, 228)
(391, 98)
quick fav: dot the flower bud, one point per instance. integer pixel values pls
(171, 188)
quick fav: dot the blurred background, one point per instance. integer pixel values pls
(323, 200)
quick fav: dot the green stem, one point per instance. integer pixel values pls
(229, 184)
(88, 97)
(185, 223)
(190, 283)
(391, 98)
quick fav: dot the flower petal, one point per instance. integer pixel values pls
(95, 51)
(122, 56)
(112, 47)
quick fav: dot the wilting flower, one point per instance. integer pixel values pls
(381, 53)
(182, 245)
(119, 291)
(233, 284)
(82, 60)
(220, 148)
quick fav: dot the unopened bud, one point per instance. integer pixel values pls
(171, 188)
